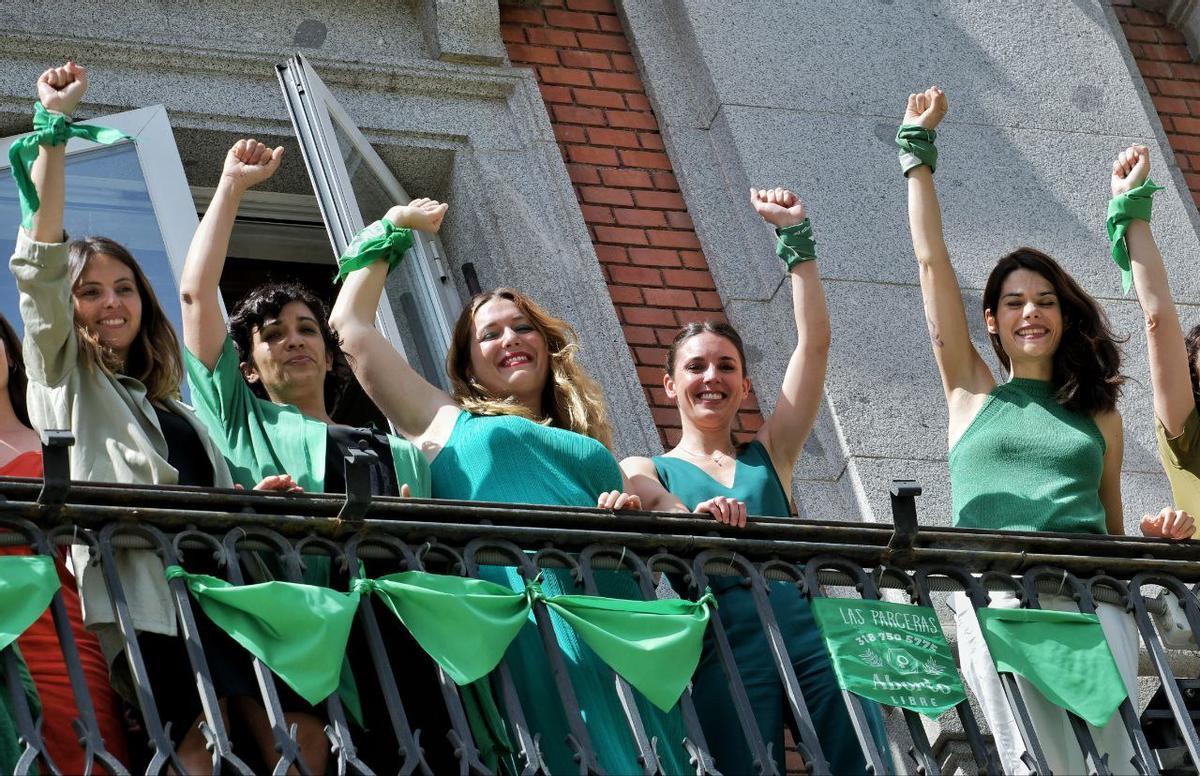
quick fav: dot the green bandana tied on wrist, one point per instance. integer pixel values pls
(1133, 205)
(796, 244)
(466, 625)
(916, 147)
(1063, 654)
(382, 240)
(27, 586)
(49, 128)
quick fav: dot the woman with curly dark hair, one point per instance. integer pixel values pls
(1038, 451)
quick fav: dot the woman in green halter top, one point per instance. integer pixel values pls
(708, 472)
(525, 425)
(1041, 451)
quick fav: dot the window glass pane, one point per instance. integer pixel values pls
(413, 305)
(106, 195)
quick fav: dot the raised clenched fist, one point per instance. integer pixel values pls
(779, 207)
(249, 163)
(926, 109)
(61, 88)
(1130, 169)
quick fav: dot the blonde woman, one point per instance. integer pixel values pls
(524, 424)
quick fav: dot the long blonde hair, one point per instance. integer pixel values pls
(154, 357)
(571, 399)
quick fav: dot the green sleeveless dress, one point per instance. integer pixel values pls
(756, 483)
(512, 460)
(1026, 463)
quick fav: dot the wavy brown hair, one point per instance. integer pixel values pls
(1087, 364)
(571, 399)
(154, 357)
(17, 380)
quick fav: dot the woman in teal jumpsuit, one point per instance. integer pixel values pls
(708, 471)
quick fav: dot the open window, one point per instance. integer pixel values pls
(109, 193)
(354, 187)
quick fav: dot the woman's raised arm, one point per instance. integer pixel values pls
(1169, 372)
(965, 375)
(247, 164)
(787, 428)
(409, 401)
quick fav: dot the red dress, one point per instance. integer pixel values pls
(39, 646)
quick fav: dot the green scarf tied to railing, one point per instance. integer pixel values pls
(1063, 654)
(27, 585)
(299, 631)
(1133, 205)
(916, 147)
(49, 128)
(380, 241)
(466, 625)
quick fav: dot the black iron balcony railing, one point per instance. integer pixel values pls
(819, 557)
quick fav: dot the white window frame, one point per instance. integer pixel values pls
(313, 110)
(167, 187)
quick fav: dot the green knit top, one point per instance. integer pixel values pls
(1028, 464)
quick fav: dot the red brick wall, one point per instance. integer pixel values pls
(657, 275)
(1172, 79)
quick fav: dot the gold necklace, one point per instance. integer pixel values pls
(718, 457)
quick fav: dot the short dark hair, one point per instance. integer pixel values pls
(265, 302)
(719, 328)
(1087, 364)
(18, 382)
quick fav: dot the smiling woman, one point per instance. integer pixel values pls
(1039, 451)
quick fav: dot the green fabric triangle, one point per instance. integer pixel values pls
(49, 128)
(27, 585)
(464, 624)
(1063, 654)
(299, 631)
(653, 645)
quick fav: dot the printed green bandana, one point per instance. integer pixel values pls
(796, 244)
(1063, 654)
(466, 625)
(27, 586)
(298, 631)
(890, 653)
(916, 147)
(1133, 205)
(52, 129)
(381, 240)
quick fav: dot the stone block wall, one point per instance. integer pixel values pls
(657, 274)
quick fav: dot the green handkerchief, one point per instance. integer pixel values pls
(796, 244)
(380, 241)
(895, 654)
(49, 128)
(653, 645)
(1132, 205)
(27, 586)
(299, 631)
(1063, 654)
(464, 624)
(916, 147)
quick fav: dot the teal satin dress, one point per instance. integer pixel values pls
(512, 460)
(756, 483)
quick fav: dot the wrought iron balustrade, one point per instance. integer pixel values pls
(819, 557)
